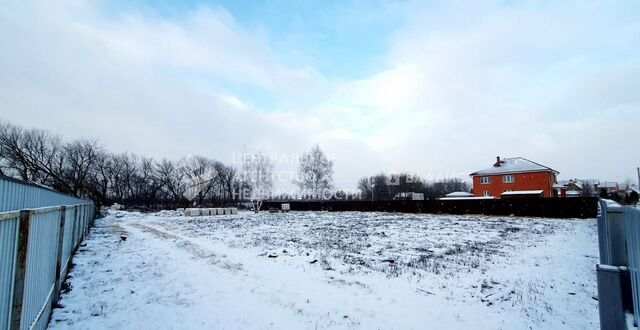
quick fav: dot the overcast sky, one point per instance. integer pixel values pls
(435, 88)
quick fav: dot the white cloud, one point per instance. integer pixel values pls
(460, 84)
(532, 82)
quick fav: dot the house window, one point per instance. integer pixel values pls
(509, 178)
(486, 193)
(485, 180)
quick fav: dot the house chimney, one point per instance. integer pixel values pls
(497, 164)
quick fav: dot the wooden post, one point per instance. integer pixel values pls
(21, 269)
(59, 261)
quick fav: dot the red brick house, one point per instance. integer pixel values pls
(514, 177)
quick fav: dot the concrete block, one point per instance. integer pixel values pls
(192, 212)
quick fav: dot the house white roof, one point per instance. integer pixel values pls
(567, 183)
(459, 194)
(514, 165)
(522, 192)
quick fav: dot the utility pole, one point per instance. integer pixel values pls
(371, 180)
(638, 168)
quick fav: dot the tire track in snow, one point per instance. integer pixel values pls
(278, 291)
(196, 250)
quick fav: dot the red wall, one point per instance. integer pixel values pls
(523, 181)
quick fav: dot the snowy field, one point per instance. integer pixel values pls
(343, 270)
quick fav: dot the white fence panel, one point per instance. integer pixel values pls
(8, 248)
(39, 231)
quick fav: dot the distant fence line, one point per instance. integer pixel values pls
(40, 229)
(579, 207)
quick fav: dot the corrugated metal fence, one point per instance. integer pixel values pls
(619, 243)
(633, 249)
(39, 231)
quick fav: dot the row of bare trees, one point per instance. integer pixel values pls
(83, 168)
(386, 187)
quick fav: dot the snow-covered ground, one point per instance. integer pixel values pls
(344, 270)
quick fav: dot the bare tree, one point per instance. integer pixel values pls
(122, 172)
(83, 168)
(365, 187)
(200, 175)
(11, 142)
(315, 172)
(445, 186)
(375, 187)
(171, 180)
(80, 158)
(146, 182)
(258, 176)
(31, 155)
(227, 176)
(386, 187)
(99, 181)
(380, 185)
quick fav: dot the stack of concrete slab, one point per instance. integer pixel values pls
(197, 212)
(192, 212)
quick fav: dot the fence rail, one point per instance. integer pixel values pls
(39, 231)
